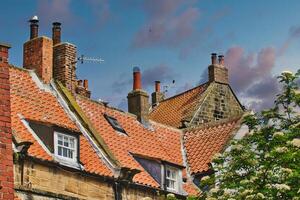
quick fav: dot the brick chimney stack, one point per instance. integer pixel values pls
(56, 33)
(217, 72)
(86, 84)
(157, 96)
(6, 151)
(64, 60)
(38, 53)
(138, 99)
(4, 52)
(34, 27)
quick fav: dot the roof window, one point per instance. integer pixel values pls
(115, 124)
(65, 147)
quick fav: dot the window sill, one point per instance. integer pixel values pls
(69, 163)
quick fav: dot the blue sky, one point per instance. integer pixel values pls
(167, 39)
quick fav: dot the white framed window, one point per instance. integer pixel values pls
(65, 146)
(171, 178)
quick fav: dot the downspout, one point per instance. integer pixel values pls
(117, 190)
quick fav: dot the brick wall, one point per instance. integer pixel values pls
(6, 152)
(37, 55)
(64, 58)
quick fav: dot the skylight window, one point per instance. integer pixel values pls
(115, 124)
(65, 146)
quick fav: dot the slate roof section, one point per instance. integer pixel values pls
(33, 103)
(158, 142)
(202, 143)
(173, 110)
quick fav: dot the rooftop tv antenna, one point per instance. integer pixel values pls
(166, 88)
(83, 59)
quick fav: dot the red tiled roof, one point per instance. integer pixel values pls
(163, 143)
(33, 103)
(202, 143)
(191, 189)
(173, 110)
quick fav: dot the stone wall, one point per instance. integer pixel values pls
(138, 104)
(51, 182)
(218, 103)
(37, 55)
(43, 182)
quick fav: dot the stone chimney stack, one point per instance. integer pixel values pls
(38, 53)
(6, 149)
(138, 99)
(56, 33)
(157, 96)
(217, 72)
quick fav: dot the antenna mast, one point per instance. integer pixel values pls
(82, 58)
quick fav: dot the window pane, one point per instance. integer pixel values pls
(173, 175)
(65, 154)
(59, 151)
(168, 173)
(72, 142)
(70, 154)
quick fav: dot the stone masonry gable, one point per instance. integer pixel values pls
(219, 102)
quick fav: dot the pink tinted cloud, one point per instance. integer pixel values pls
(169, 23)
(294, 33)
(249, 68)
(60, 10)
(55, 10)
(251, 76)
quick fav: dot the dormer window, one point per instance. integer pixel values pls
(171, 179)
(65, 146)
(115, 124)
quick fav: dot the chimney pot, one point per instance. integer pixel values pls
(34, 27)
(4, 52)
(86, 84)
(221, 60)
(213, 58)
(137, 85)
(157, 86)
(56, 33)
(79, 82)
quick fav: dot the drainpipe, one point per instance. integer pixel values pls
(117, 190)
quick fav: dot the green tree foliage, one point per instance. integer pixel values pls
(265, 164)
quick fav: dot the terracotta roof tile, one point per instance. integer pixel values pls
(163, 143)
(33, 103)
(191, 188)
(178, 107)
(202, 143)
